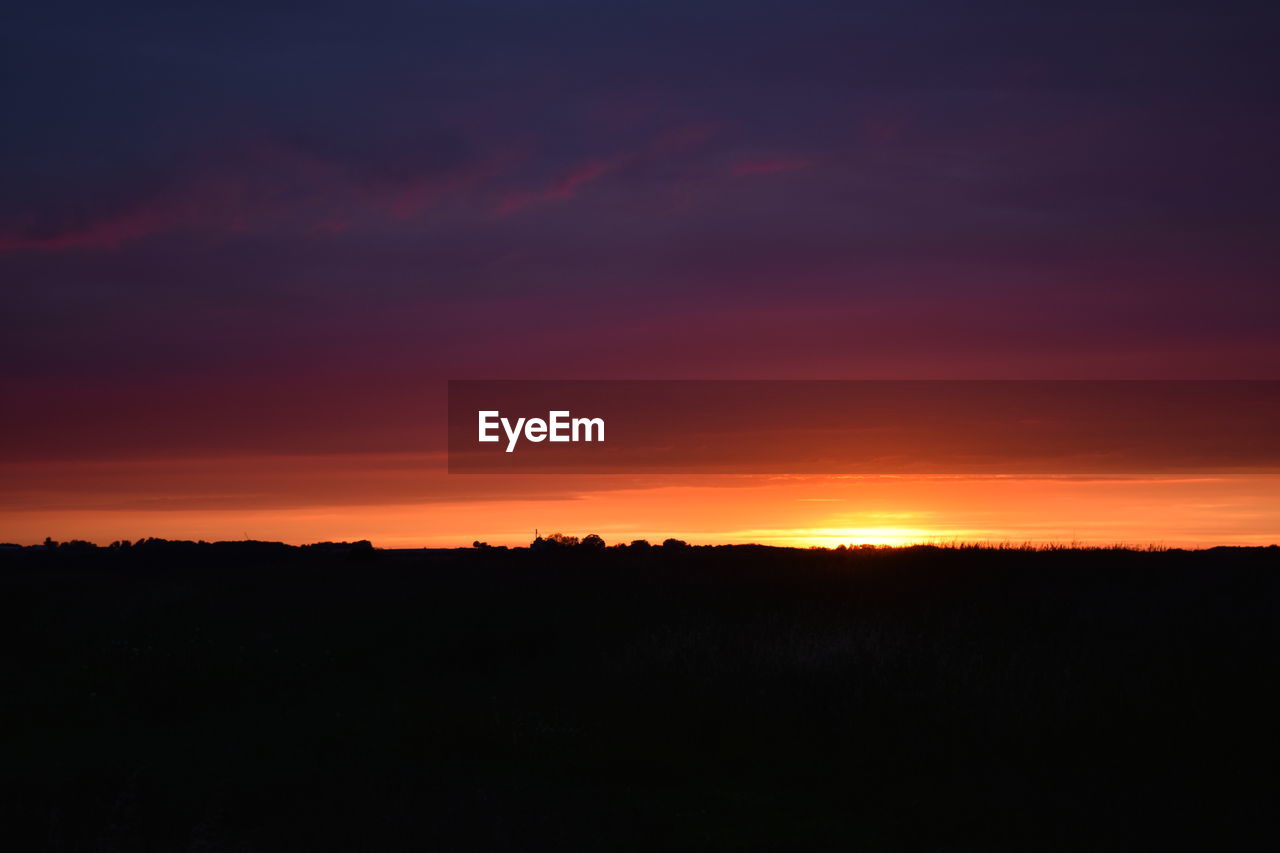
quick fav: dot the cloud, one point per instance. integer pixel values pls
(562, 187)
(263, 188)
(107, 233)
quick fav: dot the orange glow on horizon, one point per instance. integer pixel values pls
(406, 501)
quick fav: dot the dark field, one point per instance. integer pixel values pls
(247, 697)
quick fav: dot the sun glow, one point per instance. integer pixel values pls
(888, 535)
(402, 502)
(896, 536)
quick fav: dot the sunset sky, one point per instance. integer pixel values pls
(244, 246)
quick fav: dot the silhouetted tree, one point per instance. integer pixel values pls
(362, 550)
(674, 543)
(593, 542)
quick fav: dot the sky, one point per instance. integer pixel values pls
(243, 247)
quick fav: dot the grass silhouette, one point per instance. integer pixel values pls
(252, 696)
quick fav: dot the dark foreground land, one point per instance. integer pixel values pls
(238, 696)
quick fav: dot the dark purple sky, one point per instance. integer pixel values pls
(247, 228)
